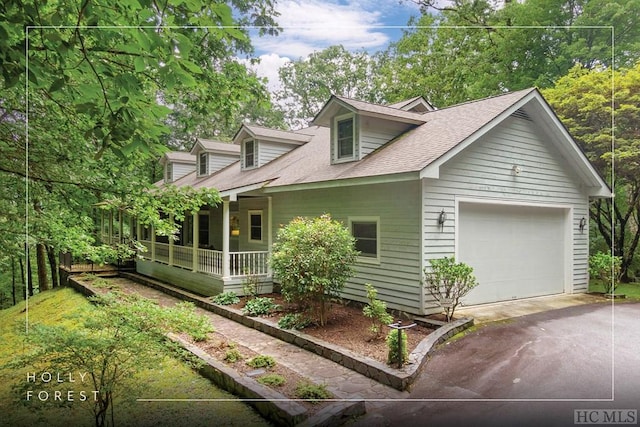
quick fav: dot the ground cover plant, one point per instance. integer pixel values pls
(168, 377)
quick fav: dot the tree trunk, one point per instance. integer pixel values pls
(29, 274)
(13, 279)
(53, 266)
(22, 278)
(41, 259)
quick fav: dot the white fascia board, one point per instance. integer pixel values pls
(233, 193)
(348, 182)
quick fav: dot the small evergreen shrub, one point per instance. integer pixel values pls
(260, 306)
(312, 392)
(393, 356)
(376, 310)
(226, 298)
(272, 380)
(233, 355)
(293, 321)
(262, 362)
(448, 281)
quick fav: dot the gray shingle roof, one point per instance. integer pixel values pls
(217, 146)
(273, 134)
(179, 156)
(411, 152)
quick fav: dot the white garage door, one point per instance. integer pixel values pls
(515, 251)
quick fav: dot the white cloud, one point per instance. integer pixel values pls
(268, 67)
(313, 25)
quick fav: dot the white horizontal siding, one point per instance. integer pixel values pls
(270, 151)
(374, 133)
(220, 161)
(397, 277)
(182, 169)
(484, 170)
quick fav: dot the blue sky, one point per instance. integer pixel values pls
(312, 25)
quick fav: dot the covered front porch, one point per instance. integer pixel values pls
(216, 250)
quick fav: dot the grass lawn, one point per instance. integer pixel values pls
(631, 290)
(171, 378)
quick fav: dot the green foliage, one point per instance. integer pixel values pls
(313, 258)
(251, 285)
(272, 380)
(261, 306)
(226, 298)
(583, 99)
(262, 361)
(123, 335)
(309, 82)
(312, 392)
(294, 321)
(376, 310)
(448, 281)
(393, 355)
(233, 355)
(605, 267)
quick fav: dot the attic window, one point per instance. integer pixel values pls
(249, 153)
(202, 164)
(345, 137)
(168, 172)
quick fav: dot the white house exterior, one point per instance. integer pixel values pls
(498, 183)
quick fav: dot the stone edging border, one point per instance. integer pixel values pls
(399, 379)
(268, 402)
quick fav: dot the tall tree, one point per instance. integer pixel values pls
(309, 82)
(585, 102)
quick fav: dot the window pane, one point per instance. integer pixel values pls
(345, 138)
(249, 150)
(255, 227)
(366, 234)
(203, 164)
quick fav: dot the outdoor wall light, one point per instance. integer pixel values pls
(515, 170)
(582, 224)
(442, 218)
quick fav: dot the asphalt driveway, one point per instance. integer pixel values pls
(533, 370)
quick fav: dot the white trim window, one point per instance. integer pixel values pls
(203, 164)
(344, 137)
(168, 172)
(366, 231)
(255, 226)
(250, 153)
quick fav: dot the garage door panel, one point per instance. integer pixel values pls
(515, 251)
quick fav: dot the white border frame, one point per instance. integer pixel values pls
(334, 138)
(255, 212)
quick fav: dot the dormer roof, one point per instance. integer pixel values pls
(274, 135)
(417, 104)
(178, 157)
(213, 146)
(336, 103)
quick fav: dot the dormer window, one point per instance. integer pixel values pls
(203, 168)
(249, 153)
(168, 172)
(344, 137)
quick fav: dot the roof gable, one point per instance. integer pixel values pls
(336, 103)
(213, 146)
(275, 135)
(416, 105)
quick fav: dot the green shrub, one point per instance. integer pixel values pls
(260, 306)
(226, 298)
(262, 362)
(312, 392)
(605, 267)
(251, 285)
(293, 321)
(233, 355)
(376, 310)
(448, 281)
(393, 356)
(312, 259)
(272, 380)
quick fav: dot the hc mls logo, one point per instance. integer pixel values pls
(605, 416)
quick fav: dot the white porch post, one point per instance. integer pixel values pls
(226, 268)
(171, 242)
(153, 243)
(196, 239)
(269, 233)
(102, 225)
(131, 227)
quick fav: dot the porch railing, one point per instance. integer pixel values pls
(209, 261)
